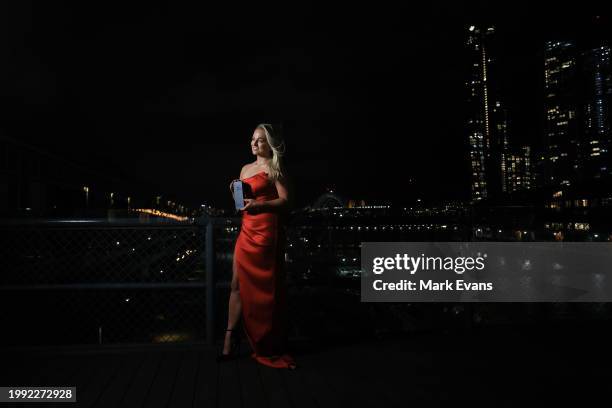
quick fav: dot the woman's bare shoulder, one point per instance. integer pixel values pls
(245, 169)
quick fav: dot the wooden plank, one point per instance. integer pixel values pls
(251, 385)
(65, 372)
(416, 373)
(114, 394)
(164, 380)
(141, 384)
(17, 369)
(383, 368)
(206, 380)
(105, 368)
(274, 391)
(298, 389)
(78, 372)
(33, 371)
(317, 386)
(352, 381)
(183, 392)
(229, 387)
(84, 375)
(53, 371)
(81, 376)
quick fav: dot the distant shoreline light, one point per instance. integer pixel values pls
(160, 213)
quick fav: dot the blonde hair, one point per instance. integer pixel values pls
(277, 144)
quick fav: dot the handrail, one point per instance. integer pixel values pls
(204, 224)
(91, 221)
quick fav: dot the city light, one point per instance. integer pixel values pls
(160, 214)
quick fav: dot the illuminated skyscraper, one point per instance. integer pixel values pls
(578, 93)
(517, 173)
(597, 96)
(561, 130)
(487, 118)
(501, 147)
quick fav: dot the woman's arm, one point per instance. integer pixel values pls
(282, 202)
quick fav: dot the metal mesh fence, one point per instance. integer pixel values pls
(102, 282)
(60, 254)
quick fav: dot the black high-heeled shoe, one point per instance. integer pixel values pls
(235, 347)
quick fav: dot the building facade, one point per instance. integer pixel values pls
(596, 86)
(490, 147)
(517, 171)
(561, 128)
(480, 106)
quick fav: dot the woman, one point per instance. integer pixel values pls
(258, 290)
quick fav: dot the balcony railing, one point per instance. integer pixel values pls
(86, 281)
(125, 281)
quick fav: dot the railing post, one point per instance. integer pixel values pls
(210, 284)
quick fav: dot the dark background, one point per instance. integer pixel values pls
(369, 95)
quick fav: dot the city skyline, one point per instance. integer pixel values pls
(346, 98)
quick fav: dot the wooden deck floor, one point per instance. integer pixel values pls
(419, 371)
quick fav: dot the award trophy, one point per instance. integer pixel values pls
(238, 195)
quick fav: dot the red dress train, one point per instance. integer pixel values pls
(259, 257)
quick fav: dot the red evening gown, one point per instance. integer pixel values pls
(259, 256)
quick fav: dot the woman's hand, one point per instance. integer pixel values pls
(231, 186)
(251, 206)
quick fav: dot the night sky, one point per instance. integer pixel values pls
(370, 96)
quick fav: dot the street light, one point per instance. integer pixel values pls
(86, 190)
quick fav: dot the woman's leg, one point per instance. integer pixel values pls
(235, 307)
